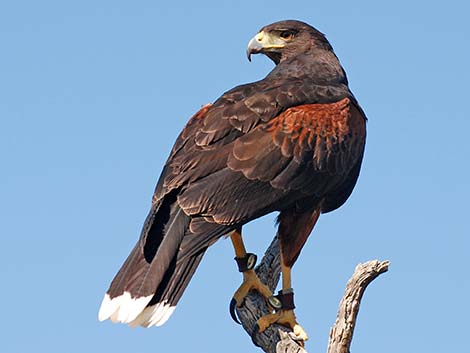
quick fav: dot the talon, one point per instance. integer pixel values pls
(246, 263)
(250, 282)
(233, 313)
(300, 333)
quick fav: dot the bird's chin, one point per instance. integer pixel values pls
(274, 56)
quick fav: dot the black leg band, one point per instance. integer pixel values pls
(247, 262)
(284, 300)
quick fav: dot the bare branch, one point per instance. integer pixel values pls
(287, 344)
(342, 332)
(280, 339)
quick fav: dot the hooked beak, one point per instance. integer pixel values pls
(263, 42)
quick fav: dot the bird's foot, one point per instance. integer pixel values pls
(284, 318)
(250, 282)
(283, 303)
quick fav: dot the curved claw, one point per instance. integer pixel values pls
(233, 313)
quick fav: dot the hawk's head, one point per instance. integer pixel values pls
(286, 39)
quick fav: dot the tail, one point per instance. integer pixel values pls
(169, 292)
(149, 284)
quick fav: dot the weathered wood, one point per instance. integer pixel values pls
(287, 344)
(341, 333)
(279, 339)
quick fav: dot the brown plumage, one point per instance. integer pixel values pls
(292, 142)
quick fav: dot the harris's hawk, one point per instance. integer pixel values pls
(292, 142)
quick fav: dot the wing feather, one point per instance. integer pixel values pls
(230, 168)
(315, 138)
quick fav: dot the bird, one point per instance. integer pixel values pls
(292, 143)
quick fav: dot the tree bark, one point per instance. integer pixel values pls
(280, 339)
(342, 332)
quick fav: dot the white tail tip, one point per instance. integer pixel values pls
(123, 308)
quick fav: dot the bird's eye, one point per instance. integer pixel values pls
(286, 35)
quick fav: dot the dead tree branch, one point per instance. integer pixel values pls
(279, 339)
(342, 332)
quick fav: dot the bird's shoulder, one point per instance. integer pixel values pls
(327, 137)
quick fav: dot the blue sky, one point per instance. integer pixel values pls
(93, 95)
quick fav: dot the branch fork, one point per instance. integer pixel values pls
(279, 339)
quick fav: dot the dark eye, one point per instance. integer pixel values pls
(287, 35)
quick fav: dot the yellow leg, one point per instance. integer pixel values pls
(250, 279)
(286, 276)
(237, 241)
(284, 317)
